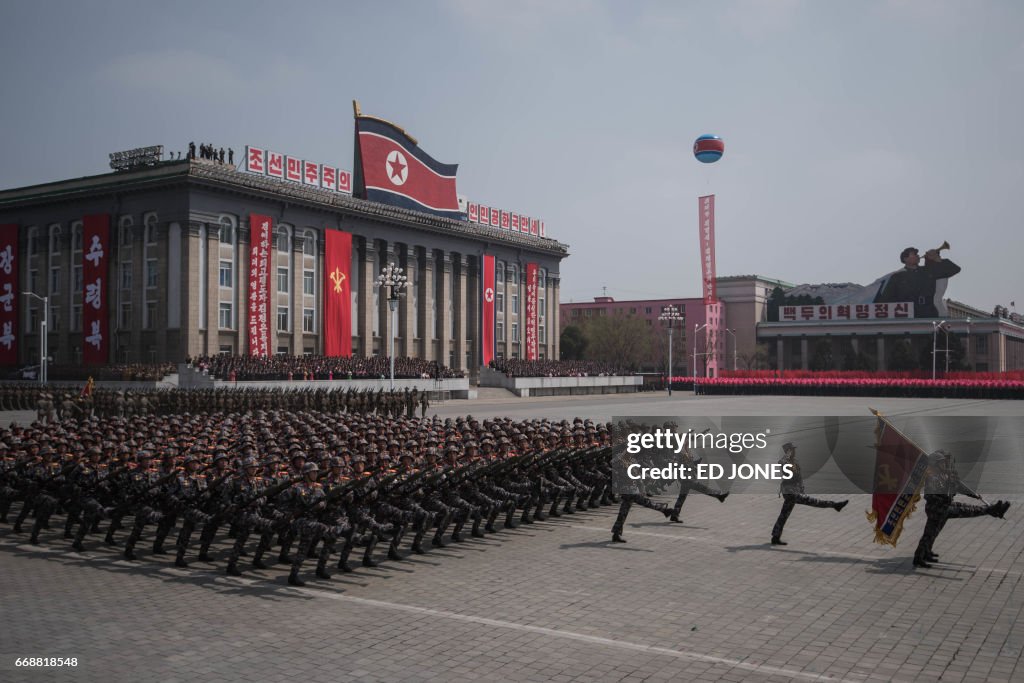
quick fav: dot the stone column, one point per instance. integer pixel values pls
(296, 298)
(444, 278)
(881, 363)
(460, 306)
(213, 288)
(474, 289)
(426, 296)
(191, 290)
(803, 353)
(386, 321)
(406, 332)
(242, 284)
(366, 311)
(780, 353)
(554, 321)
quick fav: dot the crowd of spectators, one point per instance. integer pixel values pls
(282, 367)
(517, 367)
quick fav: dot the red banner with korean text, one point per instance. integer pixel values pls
(338, 293)
(9, 294)
(95, 269)
(531, 311)
(706, 212)
(259, 318)
(487, 314)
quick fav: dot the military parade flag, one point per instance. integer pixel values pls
(391, 168)
(487, 316)
(259, 285)
(338, 293)
(95, 267)
(9, 294)
(900, 467)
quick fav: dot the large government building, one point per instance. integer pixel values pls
(178, 279)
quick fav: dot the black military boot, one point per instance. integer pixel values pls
(129, 552)
(68, 524)
(674, 517)
(257, 561)
(510, 518)
(179, 559)
(617, 537)
(321, 573)
(920, 561)
(232, 569)
(294, 580)
(489, 527)
(840, 505)
(722, 496)
(475, 532)
(109, 538)
(669, 513)
(368, 560)
(778, 541)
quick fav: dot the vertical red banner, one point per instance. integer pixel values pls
(531, 311)
(337, 293)
(259, 285)
(9, 294)
(487, 314)
(95, 268)
(706, 213)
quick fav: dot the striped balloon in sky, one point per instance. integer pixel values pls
(708, 148)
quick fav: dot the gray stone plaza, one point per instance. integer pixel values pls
(706, 600)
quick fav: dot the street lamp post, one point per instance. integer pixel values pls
(733, 333)
(395, 280)
(43, 334)
(696, 329)
(670, 315)
(935, 350)
(970, 359)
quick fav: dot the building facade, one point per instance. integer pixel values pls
(178, 283)
(737, 334)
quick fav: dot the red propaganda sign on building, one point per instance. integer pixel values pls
(338, 293)
(95, 266)
(9, 294)
(487, 314)
(531, 311)
(259, 285)
(706, 213)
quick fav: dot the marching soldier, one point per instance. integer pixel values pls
(941, 484)
(792, 492)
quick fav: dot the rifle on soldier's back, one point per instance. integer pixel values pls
(128, 504)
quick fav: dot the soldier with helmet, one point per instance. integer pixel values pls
(792, 491)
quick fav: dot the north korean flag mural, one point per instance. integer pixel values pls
(390, 168)
(259, 285)
(9, 294)
(337, 294)
(487, 314)
(95, 268)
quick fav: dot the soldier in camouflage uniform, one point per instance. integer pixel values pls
(189, 494)
(941, 484)
(687, 485)
(143, 487)
(86, 481)
(792, 491)
(632, 491)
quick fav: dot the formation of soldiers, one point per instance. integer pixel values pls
(70, 403)
(310, 483)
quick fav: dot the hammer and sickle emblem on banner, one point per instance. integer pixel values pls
(886, 481)
(337, 277)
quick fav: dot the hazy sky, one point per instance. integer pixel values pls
(852, 129)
